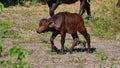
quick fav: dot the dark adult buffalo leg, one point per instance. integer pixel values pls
(87, 37)
(62, 42)
(118, 3)
(82, 6)
(52, 8)
(87, 8)
(75, 38)
(54, 48)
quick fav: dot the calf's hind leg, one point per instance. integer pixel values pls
(87, 37)
(75, 38)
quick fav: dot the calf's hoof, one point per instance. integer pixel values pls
(62, 52)
(88, 51)
(70, 52)
(55, 49)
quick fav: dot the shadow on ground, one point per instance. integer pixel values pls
(77, 50)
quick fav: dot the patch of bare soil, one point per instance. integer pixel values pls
(40, 55)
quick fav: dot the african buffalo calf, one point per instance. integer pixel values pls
(62, 23)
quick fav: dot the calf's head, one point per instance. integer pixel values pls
(45, 25)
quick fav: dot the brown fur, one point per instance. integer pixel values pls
(63, 23)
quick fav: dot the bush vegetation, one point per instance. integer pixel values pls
(1, 7)
(19, 2)
(105, 21)
(17, 55)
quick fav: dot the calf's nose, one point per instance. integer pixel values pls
(37, 30)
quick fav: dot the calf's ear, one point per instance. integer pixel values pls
(51, 23)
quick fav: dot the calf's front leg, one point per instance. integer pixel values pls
(54, 48)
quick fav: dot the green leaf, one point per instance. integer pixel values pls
(101, 55)
(9, 62)
(14, 65)
(1, 7)
(1, 45)
(22, 54)
(27, 65)
(13, 51)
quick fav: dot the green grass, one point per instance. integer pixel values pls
(51, 52)
(105, 27)
(101, 55)
(30, 26)
(114, 59)
(1, 47)
(26, 12)
(106, 20)
(6, 29)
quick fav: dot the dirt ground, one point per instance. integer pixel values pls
(40, 55)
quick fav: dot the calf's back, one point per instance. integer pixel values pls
(69, 22)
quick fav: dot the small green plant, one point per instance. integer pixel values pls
(1, 7)
(18, 55)
(101, 55)
(18, 51)
(82, 41)
(5, 64)
(1, 46)
(21, 55)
